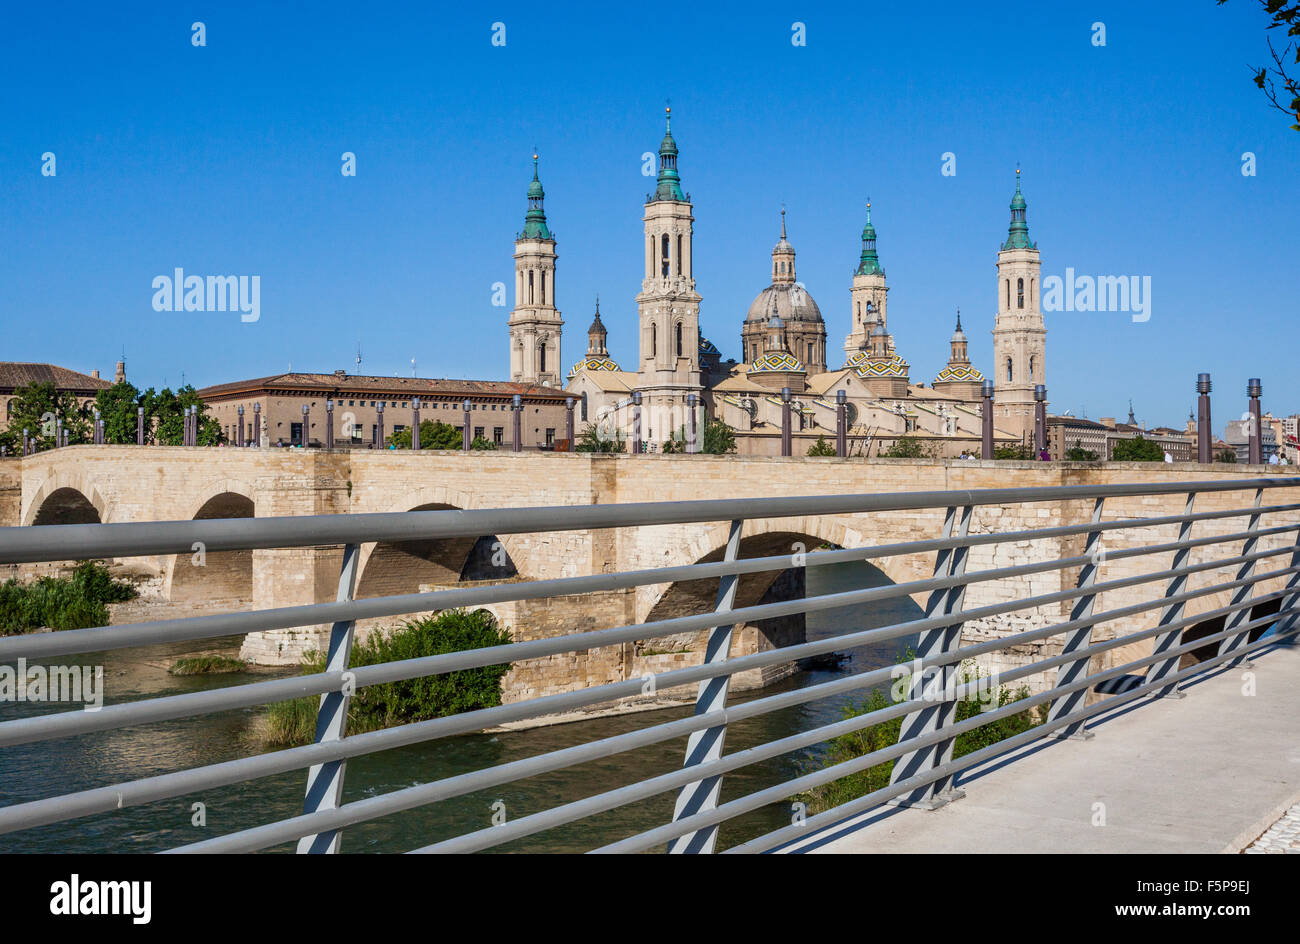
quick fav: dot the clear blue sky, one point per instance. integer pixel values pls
(226, 159)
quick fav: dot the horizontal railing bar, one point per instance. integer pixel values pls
(189, 629)
(655, 837)
(66, 724)
(32, 544)
(101, 799)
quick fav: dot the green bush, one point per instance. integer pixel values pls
(1137, 449)
(885, 734)
(821, 448)
(904, 449)
(74, 602)
(418, 699)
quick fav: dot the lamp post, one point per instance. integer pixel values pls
(1203, 419)
(379, 425)
(1040, 420)
(26, 443)
(517, 411)
(139, 426)
(636, 422)
(1253, 390)
(257, 424)
(841, 424)
(692, 436)
(568, 421)
(986, 421)
(415, 424)
(466, 433)
(329, 424)
(240, 410)
(786, 444)
(306, 426)
(95, 429)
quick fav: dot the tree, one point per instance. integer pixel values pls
(37, 407)
(1079, 454)
(1268, 78)
(904, 449)
(821, 448)
(719, 438)
(164, 414)
(1017, 452)
(1137, 449)
(591, 440)
(434, 434)
(1226, 455)
(117, 407)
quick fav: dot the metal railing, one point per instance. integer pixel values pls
(924, 767)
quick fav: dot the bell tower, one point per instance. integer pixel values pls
(1019, 334)
(868, 295)
(535, 323)
(668, 307)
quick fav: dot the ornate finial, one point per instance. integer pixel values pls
(783, 221)
(668, 113)
(959, 318)
(598, 303)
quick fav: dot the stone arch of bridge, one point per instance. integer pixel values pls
(388, 568)
(765, 538)
(217, 576)
(67, 497)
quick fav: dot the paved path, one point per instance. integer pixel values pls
(1212, 772)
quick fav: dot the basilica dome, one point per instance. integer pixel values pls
(792, 302)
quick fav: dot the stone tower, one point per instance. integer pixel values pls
(868, 293)
(597, 335)
(1019, 335)
(805, 329)
(668, 308)
(535, 323)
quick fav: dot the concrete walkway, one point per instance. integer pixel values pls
(1207, 773)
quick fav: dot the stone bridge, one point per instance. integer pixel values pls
(126, 483)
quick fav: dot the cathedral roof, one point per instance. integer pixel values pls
(959, 373)
(792, 301)
(776, 361)
(1018, 233)
(869, 262)
(669, 185)
(593, 364)
(862, 365)
(535, 219)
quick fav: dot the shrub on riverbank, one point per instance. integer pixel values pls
(885, 734)
(74, 602)
(394, 703)
(207, 665)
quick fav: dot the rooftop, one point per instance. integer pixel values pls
(19, 373)
(342, 382)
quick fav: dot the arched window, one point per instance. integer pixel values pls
(1031, 367)
(677, 339)
(1008, 369)
(1008, 285)
(1020, 293)
(654, 337)
(811, 349)
(663, 261)
(679, 254)
(530, 286)
(541, 358)
(543, 286)
(584, 408)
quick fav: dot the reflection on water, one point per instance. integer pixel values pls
(31, 771)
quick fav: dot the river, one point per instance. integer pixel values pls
(32, 771)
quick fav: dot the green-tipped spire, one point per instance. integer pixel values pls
(1018, 234)
(535, 219)
(869, 262)
(670, 187)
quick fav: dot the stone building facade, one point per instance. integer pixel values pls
(15, 375)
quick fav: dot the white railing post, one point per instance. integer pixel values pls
(325, 781)
(937, 696)
(1079, 638)
(706, 745)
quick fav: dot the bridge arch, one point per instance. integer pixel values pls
(216, 576)
(388, 568)
(764, 538)
(67, 499)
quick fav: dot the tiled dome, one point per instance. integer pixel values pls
(864, 367)
(593, 363)
(959, 373)
(776, 361)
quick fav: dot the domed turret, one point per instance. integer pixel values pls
(805, 329)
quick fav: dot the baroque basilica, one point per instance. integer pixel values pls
(783, 341)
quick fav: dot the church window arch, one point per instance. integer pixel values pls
(654, 340)
(678, 259)
(1020, 293)
(543, 286)
(530, 286)
(1009, 377)
(1008, 287)
(677, 339)
(1031, 367)
(541, 358)
(663, 256)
